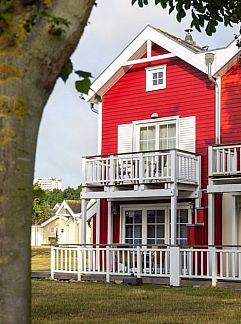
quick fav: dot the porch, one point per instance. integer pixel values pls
(164, 264)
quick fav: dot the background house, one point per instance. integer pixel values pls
(64, 227)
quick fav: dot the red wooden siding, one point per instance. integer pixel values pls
(188, 93)
(103, 221)
(231, 106)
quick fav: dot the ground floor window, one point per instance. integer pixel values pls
(151, 225)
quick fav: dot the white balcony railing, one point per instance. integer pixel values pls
(225, 160)
(175, 263)
(157, 166)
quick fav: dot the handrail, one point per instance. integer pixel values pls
(138, 152)
(226, 144)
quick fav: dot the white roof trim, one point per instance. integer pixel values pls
(225, 55)
(116, 70)
(51, 219)
(65, 205)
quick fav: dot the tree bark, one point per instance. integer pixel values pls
(28, 72)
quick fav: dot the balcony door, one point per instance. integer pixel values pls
(160, 136)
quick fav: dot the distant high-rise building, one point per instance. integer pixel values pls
(49, 183)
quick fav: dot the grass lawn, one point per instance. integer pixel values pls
(88, 302)
(40, 258)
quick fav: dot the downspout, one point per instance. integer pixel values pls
(209, 58)
(92, 107)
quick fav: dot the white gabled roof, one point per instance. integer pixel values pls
(51, 219)
(194, 55)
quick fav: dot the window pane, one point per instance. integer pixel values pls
(160, 81)
(160, 231)
(143, 134)
(182, 216)
(137, 231)
(138, 216)
(143, 146)
(151, 133)
(160, 75)
(172, 130)
(129, 231)
(129, 241)
(137, 241)
(163, 144)
(129, 217)
(160, 217)
(160, 241)
(163, 131)
(154, 75)
(183, 231)
(154, 82)
(151, 216)
(151, 231)
(171, 143)
(151, 241)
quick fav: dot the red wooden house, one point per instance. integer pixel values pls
(167, 176)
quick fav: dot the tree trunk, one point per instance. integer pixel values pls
(28, 72)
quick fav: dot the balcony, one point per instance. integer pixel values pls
(224, 168)
(132, 174)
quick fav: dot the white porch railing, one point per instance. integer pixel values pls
(170, 262)
(172, 165)
(225, 160)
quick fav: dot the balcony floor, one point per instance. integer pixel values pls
(147, 190)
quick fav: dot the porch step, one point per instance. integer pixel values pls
(40, 274)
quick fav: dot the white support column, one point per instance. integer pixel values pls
(234, 221)
(174, 218)
(214, 266)
(211, 219)
(52, 258)
(83, 221)
(174, 266)
(109, 233)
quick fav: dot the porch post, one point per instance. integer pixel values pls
(174, 219)
(211, 219)
(234, 220)
(109, 233)
(109, 241)
(83, 221)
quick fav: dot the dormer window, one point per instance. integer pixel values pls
(156, 78)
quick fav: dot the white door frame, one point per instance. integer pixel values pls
(145, 207)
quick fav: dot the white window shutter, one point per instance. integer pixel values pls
(125, 138)
(187, 134)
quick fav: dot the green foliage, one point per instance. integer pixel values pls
(68, 69)
(40, 208)
(209, 12)
(57, 195)
(83, 85)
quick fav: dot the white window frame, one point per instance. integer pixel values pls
(144, 209)
(149, 77)
(157, 122)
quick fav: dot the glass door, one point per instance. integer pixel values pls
(133, 227)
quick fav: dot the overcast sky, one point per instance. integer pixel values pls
(68, 129)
